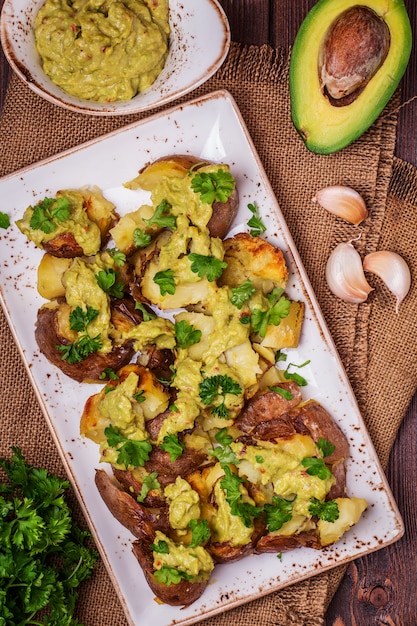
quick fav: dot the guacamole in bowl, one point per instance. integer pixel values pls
(103, 50)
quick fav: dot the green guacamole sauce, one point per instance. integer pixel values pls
(103, 50)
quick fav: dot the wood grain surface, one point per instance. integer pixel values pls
(379, 589)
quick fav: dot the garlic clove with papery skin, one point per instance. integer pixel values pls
(345, 276)
(392, 270)
(344, 202)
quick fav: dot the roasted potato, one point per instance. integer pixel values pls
(79, 221)
(52, 331)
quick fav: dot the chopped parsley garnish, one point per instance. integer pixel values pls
(285, 393)
(166, 282)
(213, 186)
(217, 386)
(207, 266)
(130, 451)
(327, 511)
(118, 256)
(84, 345)
(107, 281)
(147, 315)
(257, 227)
(48, 212)
(316, 467)
(173, 446)
(325, 447)
(277, 513)
(200, 532)
(139, 396)
(108, 372)
(279, 307)
(242, 293)
(300, 380)
(141, 239)
(170, 576)
(161, 547)
(223, 453)
(150, 482)
(162, 216)
(186, 334)
(4, 220)
(43, 552)
(230, 483)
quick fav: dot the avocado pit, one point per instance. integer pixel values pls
(354, 48)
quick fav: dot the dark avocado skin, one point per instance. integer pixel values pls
(324, 127)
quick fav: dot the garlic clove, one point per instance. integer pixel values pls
(393, 271)
(345, 276)
(344, 202)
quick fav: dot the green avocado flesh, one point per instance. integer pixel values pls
(324, 127)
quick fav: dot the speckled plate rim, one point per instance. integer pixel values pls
(199, 43)
(210, 127)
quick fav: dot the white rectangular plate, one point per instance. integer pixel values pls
(210, 128)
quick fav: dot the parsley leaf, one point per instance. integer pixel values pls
(4, 220)
(48, 212)
(325, 447)
(43, 555)
(186, 334)
(107, 281)
(166, 282)
(207, 266)
(277, 513)
(84, 345)
(131, 452)
(316, 467)
(141, 239)
(220, 385)
(327, 511)
(118, 256)
(231, 483)
(257, 227)
(170, 576)
(200, 532)
(300, 380)
(279, 307)
(242, 293)
(150, 482)
(173, 446)
(285, 393)
(162, 216)
(147, 315)
(161, 547)
(213, 186)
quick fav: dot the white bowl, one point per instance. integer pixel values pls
(199, 42)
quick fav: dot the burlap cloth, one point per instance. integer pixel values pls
(378, 348)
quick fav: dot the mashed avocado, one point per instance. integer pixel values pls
(103, 50)
(195, 562)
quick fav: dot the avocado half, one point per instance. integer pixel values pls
(326, 128)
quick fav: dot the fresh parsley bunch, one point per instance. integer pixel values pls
(43, 556)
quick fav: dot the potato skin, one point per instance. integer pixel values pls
(92, 367)
(223, 212)
(183, 593)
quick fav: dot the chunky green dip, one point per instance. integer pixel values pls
(103, 50)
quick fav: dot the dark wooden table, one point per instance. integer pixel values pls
(379, 589)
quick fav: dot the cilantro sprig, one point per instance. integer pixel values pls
(200, 532)
(131, 452)
(316, 467)
(277, 513)
(162, 216)
(44, 554)
(85, 344)
(213, 186)
(218, 386)
(48, 213)
(150, 482)
(166, 281)
(223, 452)
(242, 293)
(170, 576)
(173, 446)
